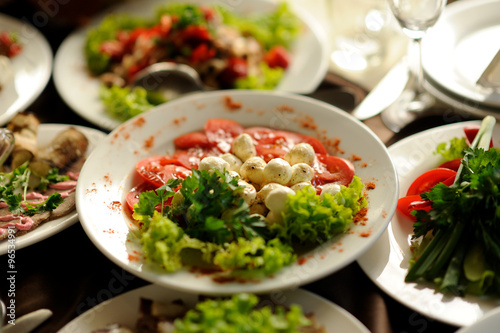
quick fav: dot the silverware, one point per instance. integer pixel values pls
(384, 93)
(28, 322)
(491, 75)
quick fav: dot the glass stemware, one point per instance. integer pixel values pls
(415, 17)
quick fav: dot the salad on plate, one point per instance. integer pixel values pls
(242, 203)
(227, 50)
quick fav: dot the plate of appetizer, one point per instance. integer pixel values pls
(25, 64)
(436, 256)
(154, 306)
(243, 45)
(38, 179)
(224, 164)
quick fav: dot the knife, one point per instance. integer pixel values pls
(28, 322)
(384, 93)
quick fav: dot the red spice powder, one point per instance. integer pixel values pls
(365, 234)
(149, 142)
(355, 158)
(285, 108)
(361, 216)
(231, 105)
(139, 122)
(115, 206)
(370, 186)
(178, 121)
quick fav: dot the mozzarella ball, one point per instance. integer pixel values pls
(213, 162)
(278, 171)
(266, 189)
(276, 199)
(234, 162)
(301, 172)
(330, 188)
(299, 186)
(243, 147)
(252, 170)
(301, 153)
(274, 218)
(249, 193)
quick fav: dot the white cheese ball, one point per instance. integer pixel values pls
(301, 172)
(243, 147)
(213, 162)
(299, 186)
(276, 199)
(301, 153)
(234, 162)
(278, 171)
(266, 189)
(249, 192)
(252, 170)
(330, 188)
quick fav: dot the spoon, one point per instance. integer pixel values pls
(169, 78)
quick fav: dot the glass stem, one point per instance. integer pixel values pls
(416, 62)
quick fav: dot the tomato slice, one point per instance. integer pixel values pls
(133, 195)
(453, 164)
(157, 170)
(410, 203)
(221, 132)
(192, 140)
(191, 158)
(428, 179)
(332, 169)
(277, 56)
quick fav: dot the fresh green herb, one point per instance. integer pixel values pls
(453, 149)
(53, 177)
(464, 217)
(241, 313)
(186, 15)
(125, 103)
(310, 218)
(15, 185)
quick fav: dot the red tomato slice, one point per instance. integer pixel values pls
(192, 140)
(133, 196)
(190, 158)
(157, 170)
(315, 143)
(428, 179)
(453, 164)
(332, 169)
(221, 132)
(410, 203)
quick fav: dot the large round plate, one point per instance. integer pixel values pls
(81, 91)
(46, 132)
(387, 261)
(109, 174)
(124, 309)
(461, 45)
(32, 68)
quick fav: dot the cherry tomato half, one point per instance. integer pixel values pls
(428, 179)
(157, 170)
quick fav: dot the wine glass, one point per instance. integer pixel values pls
(415, 17)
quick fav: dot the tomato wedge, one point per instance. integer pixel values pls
(332, 169)
(157, 170)
(192, 140)
(221, 132)
(428, 179)
(410, 203)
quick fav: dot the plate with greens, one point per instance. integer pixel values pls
(241, 45)
(460, 285)
(208, 238)
(124, 310)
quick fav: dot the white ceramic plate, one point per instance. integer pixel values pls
(124, 309)
(461, 45)
(488, 324)
(81, 91)
(32, 68)
(109, 174)
(387, 261)
(46, 132)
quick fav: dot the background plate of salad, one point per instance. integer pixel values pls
(387, 263)
(124, 309)
(109, 174)
(79, 62)
(27, 69)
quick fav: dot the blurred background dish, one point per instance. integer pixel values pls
(30, 69)
(81, 91)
